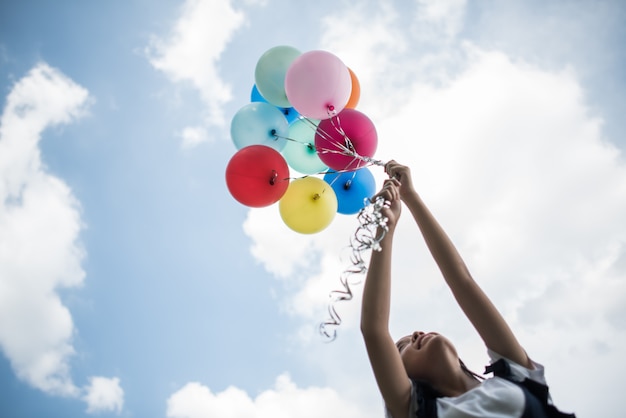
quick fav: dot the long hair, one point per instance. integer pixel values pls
(470, 373)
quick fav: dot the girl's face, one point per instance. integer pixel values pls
(427, 355)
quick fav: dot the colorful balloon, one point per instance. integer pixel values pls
(256, 96)
(269, 74)
(318, 84)
(290, 113)
(300, 151)
(308, 206)
(355, 93)
(257, 176)
(259, 123)
(338, 139)
(352, 188)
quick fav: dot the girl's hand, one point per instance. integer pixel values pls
(403, 174)
(391, 193)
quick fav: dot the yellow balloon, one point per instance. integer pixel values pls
(308, 206)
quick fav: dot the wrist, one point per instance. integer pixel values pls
(390, 230)
(411, 197)
(407, 194)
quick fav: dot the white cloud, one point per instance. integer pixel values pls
(39, 227)
(40, 223)
(104, 394)
(193, 136)
(192, 52)
(446, 16)
(284, 400)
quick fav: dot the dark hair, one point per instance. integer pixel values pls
(470, 373)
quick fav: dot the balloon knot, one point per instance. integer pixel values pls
(274, 177)
(331, 108)
(316, 196)
(347, 185)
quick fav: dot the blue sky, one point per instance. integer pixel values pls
(132, 284)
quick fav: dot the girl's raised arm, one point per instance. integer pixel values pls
(478, 308)
(385, 359)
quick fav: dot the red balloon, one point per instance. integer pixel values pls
(340, 138)
(257, 176)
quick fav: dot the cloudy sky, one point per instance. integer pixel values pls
(133, 285)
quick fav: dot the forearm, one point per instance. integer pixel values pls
(377, 290)
(391, 376)
(478, 308)
(439, 244)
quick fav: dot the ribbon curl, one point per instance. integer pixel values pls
(365, 238)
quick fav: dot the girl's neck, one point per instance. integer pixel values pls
(456, 385)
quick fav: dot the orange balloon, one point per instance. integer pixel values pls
(356, 91)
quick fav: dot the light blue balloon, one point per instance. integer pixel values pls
(300, 151)
(259, 123)
(353, 189)
(270, 71)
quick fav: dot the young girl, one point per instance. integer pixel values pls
(421, 375)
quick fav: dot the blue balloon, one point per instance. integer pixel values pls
(290, 113)
(259, 123)
(353, 189)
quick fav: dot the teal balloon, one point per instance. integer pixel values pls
(259, 123)
(270, 71)
(300, 151)
(353, 189)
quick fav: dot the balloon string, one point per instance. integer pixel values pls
(345, 149)
(322, 133)
(342, 149)
(348, 183)
(364, 158)
(348, 143)
(365, 238)
(367, 160)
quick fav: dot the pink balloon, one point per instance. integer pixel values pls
(318, 84)
(339, 138)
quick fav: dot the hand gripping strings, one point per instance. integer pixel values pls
(365, 238)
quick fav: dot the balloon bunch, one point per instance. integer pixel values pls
(302, 116)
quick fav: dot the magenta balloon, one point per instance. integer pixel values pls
(331, 144)
(318, 84)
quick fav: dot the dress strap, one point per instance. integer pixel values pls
(536, 395)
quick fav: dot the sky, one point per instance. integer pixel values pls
(132, 284)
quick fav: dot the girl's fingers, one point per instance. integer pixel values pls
(395, 170)
(389, 166)
(390, 190)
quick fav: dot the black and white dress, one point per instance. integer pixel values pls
(497, 397)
